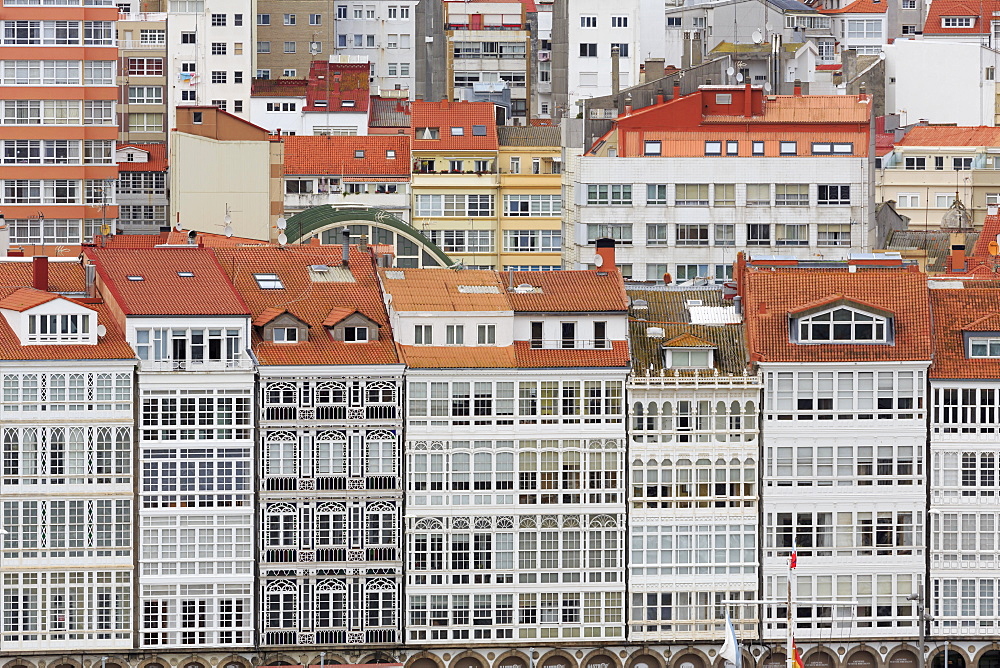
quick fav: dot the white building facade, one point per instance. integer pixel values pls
(385, 34)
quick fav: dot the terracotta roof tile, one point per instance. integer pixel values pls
(445, 115)
(445, 289)
(810, 109)
(955, 311)
(344, 87)
(162, 291)
(63, 277)
(279, 87)
(24, 298)
(568, 291)
(528, 357)
(983, 11)
(688, 340)
(771, 295)
(156, 162)
(337, 315)
(940, 135)
(459, 357)
(131, 240)
(860, 7)
(338, 155)
(266, 316)
(312, 302)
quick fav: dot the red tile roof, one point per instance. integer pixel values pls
(568, 291)
(338, 155)
(279, 87)
(344, 86)
(944, 135)
(860, 7)
(616, 356)
(337, 315)
(446, 115)
(962, 310)
(459, 357)
(63, 277)
(131, 240)
(311, 302)
(156, 161)
(983, 11)
(23, 299)
(162, 291)
(445, 290)
(770, 295)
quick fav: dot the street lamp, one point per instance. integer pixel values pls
(922, 619)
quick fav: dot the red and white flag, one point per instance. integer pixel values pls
(793, 560)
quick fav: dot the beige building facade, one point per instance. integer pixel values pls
(142, 81)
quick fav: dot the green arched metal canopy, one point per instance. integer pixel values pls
(319, 218)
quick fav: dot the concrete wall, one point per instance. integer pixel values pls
(943, 82)
(208, 174)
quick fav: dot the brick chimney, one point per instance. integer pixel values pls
(797, 90)
(606, 251)
(40, 272)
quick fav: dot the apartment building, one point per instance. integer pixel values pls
(372, 171)
(332, 99)
(67, 479)
(141, 190)
(669, 182)
(943, 177)
(515, 432)
(862, 25)
(209, 56)
(330, 430)
(693, 464)
(190, 331)
(954, 21)
(530, 166)
(842, 350)
(475, 57)
(584, 32)
(58, 70)
(142, 81)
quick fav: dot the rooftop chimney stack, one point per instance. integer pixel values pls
(677, 88)
(797, 90)
(748, 101)
(606, 251)
(958, 257)
(40, 272)
(347, 246)
(363, 243)
(628, 104)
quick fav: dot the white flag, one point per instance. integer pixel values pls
(731, 647)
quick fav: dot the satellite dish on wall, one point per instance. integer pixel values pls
(101, 330)
(739, 78)
(282, 239)
(757, 37)
(767, 87)
(281, 223)
(228, 230)
(730, 71)
(598, 260)
(178, 226)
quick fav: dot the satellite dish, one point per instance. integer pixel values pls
(228, 219)
(881, 55)
(178, 226)
(757, 37)
(739, 78)
(768, 27)
(767, 87)
(598, 260)
(730, 71)
(228, 230)
(281, 223)
(282, 239)
(101, 330)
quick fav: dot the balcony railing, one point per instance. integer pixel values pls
(698, 377)
(570, 344)
(242, 363)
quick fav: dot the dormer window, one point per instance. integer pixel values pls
(983, 346)
(355, 334)
(285, 334)
(957, 21)
(689, 358)
(49, 328)
(843, 325)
